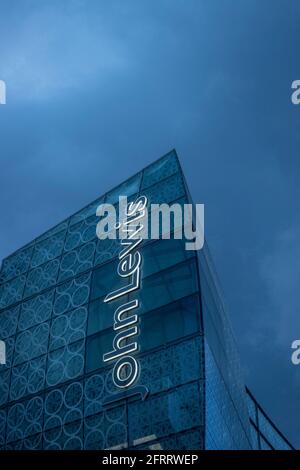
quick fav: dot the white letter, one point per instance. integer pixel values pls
(165, 211)
(108, 221)
(198, 234)
(296, 354)
(295, 95)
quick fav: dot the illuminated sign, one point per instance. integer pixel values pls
(126, 369)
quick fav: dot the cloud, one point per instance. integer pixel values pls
(280, 272)
(60, 49)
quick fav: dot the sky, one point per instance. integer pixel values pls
(96, 90)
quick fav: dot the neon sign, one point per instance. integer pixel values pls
(126, 369)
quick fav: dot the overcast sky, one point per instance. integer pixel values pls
(96, 90)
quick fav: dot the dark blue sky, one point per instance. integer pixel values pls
(96, 90)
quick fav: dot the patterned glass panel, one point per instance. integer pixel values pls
(41, 278)
(222, 419)
(86, 212)
(63, 405)
(66, 363)
(48, 249)
(72, 294)
(128, 188)
(166, 191)
(106, 430)
(68, 328)
(16, 264)
(160, 170)
(4, 388)
(31, 343)
(25, 419)
(76, 261)
(11, 292)
(9, 322)
(27, 378)
(81, 233)
(53, 231)
(36, 310)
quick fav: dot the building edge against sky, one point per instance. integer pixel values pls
(57, 327)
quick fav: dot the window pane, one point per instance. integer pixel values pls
(162, 254)
(167, 286)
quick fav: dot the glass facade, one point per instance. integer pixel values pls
(55, 386)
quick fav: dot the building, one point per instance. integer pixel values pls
(56, 392)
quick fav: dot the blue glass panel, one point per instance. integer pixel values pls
(162, 254)
(106, 250)
(166, 191)
(251, 409)
(11, 292)
(77, 261)
(68, 328)
(58, 228)
(41, 278)
(223, 421)
(160, 170)
(16, 264)
(2, 426)
(86, 212)
(172, 366)
(72, 294)
(48, 249)
(254, 437)
(166, 414)
(106, 430)
(63, 405)
(167, 324)
(36, 310)
(167, 286)
(25, 419)
(9, 322)
(101, 314)
(66, 363)
(31, 343)
(264, 445)
(4, 387)
(81, 233)
(67, 437)
(33, 442)
(128, 188)
(96, 347)
(9, 345)
(106, 280)
(27, 378)
(157, 328)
